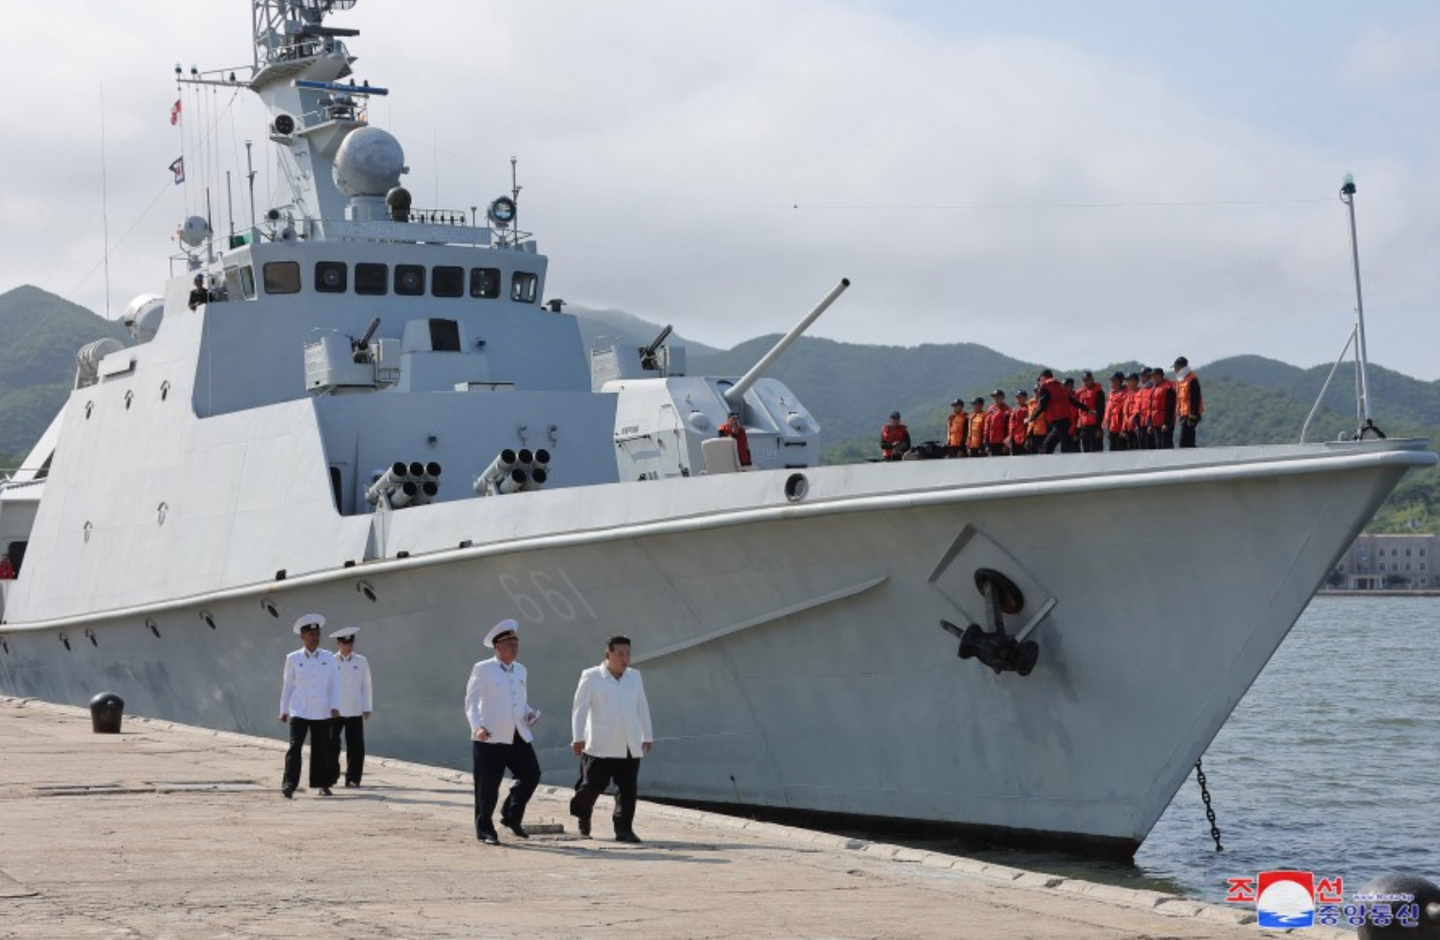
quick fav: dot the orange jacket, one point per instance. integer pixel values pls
(997, 423)
(1162, 404)
(1091, 395)
(975, 438)
(1018, 417)
(894, 434)
(1057, 404)
(1188, 402)
(955, 433)
(1038, 423)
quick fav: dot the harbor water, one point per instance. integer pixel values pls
(1330, 764)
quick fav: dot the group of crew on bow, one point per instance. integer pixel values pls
(1140, 411)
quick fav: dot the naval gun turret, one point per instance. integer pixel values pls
(663, 419)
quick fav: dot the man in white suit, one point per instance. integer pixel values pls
(309, 698)
(496, 703)
(611, 732)
(356, 704)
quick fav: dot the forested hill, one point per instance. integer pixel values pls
(850, 388)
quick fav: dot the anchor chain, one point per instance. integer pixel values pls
(1209, 810)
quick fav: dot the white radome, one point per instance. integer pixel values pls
(369, 162)
(194, 231)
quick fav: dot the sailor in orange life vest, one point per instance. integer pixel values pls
(975, 433)
(1019, 418)
(1093, 397)
(955, 429)
(1189, 407)
(997, 425)
(733, 428)
(1133, 437)
(1115, 405)
(894, 438)
(500, 720)
(1162, 410)
(1059, 408)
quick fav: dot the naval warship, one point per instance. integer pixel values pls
(372, 413)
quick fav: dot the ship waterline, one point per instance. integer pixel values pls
(789, 625)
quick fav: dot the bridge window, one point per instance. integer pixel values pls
(330, 277)
(247, 282)
(447, 281)
(484, 282)
(372, 278)
(282, 277)
(410, 279)
(523, 287)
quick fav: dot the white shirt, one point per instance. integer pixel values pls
(496, 700)
(354, 697)
(611, 715)
(311, 686)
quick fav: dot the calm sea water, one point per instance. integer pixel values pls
(1330, 764)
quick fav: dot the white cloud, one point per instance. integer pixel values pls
(1018, 192)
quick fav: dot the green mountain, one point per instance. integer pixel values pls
(850, 388)
(42, 333)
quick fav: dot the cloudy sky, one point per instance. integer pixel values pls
(1075, 183)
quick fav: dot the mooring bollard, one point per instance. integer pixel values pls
(105, 711)
(1394, 888)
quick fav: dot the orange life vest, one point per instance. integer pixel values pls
(1160, 416)
(1182, 397)
(955, 435)
(975, 438)
(1039, 424)
(1058, 407)
(1018, 417)
(1140, 407)
(1116, 405)
(894, 434)
(997, 423)
(1089, 395)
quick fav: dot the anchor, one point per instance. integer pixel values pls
(994, 647)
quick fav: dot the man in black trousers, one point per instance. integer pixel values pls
(500, 721)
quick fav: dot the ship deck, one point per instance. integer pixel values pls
(167, 830)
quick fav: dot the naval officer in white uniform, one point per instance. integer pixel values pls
(356, 704)
(500, 716)
(610, 724)
(309, 698)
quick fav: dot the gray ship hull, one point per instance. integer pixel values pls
(792, 648)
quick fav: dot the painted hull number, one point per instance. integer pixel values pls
(538, 592)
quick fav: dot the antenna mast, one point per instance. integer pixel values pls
(1347, 196)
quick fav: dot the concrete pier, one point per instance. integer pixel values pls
(170, 831)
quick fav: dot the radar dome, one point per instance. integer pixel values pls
(143, 315)
(369, 162)
(195, 231)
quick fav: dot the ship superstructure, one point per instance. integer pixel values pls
(374, 414)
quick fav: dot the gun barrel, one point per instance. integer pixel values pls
(654, 347)
(364, 341)
(735, 394)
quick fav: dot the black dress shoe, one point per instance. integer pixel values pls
(627, 837)
(325, 791)
(489, 838)
(584, 822)
(516, 828)
(287, 792)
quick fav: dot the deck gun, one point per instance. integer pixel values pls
(360, 349)
(735, 394)
(648, 353)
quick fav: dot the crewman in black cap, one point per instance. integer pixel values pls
(309, 698)
(199, 295)
(1189, 406)
(1116, 405)
(997, 425)
(955, 429)
(500, 718)
(975, 432)
(1088, 419)
(894, 438)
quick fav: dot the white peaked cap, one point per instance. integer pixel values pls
(504, 626)
(309, 620)
(344, 632)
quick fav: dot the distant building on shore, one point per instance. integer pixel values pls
(1387, 563)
